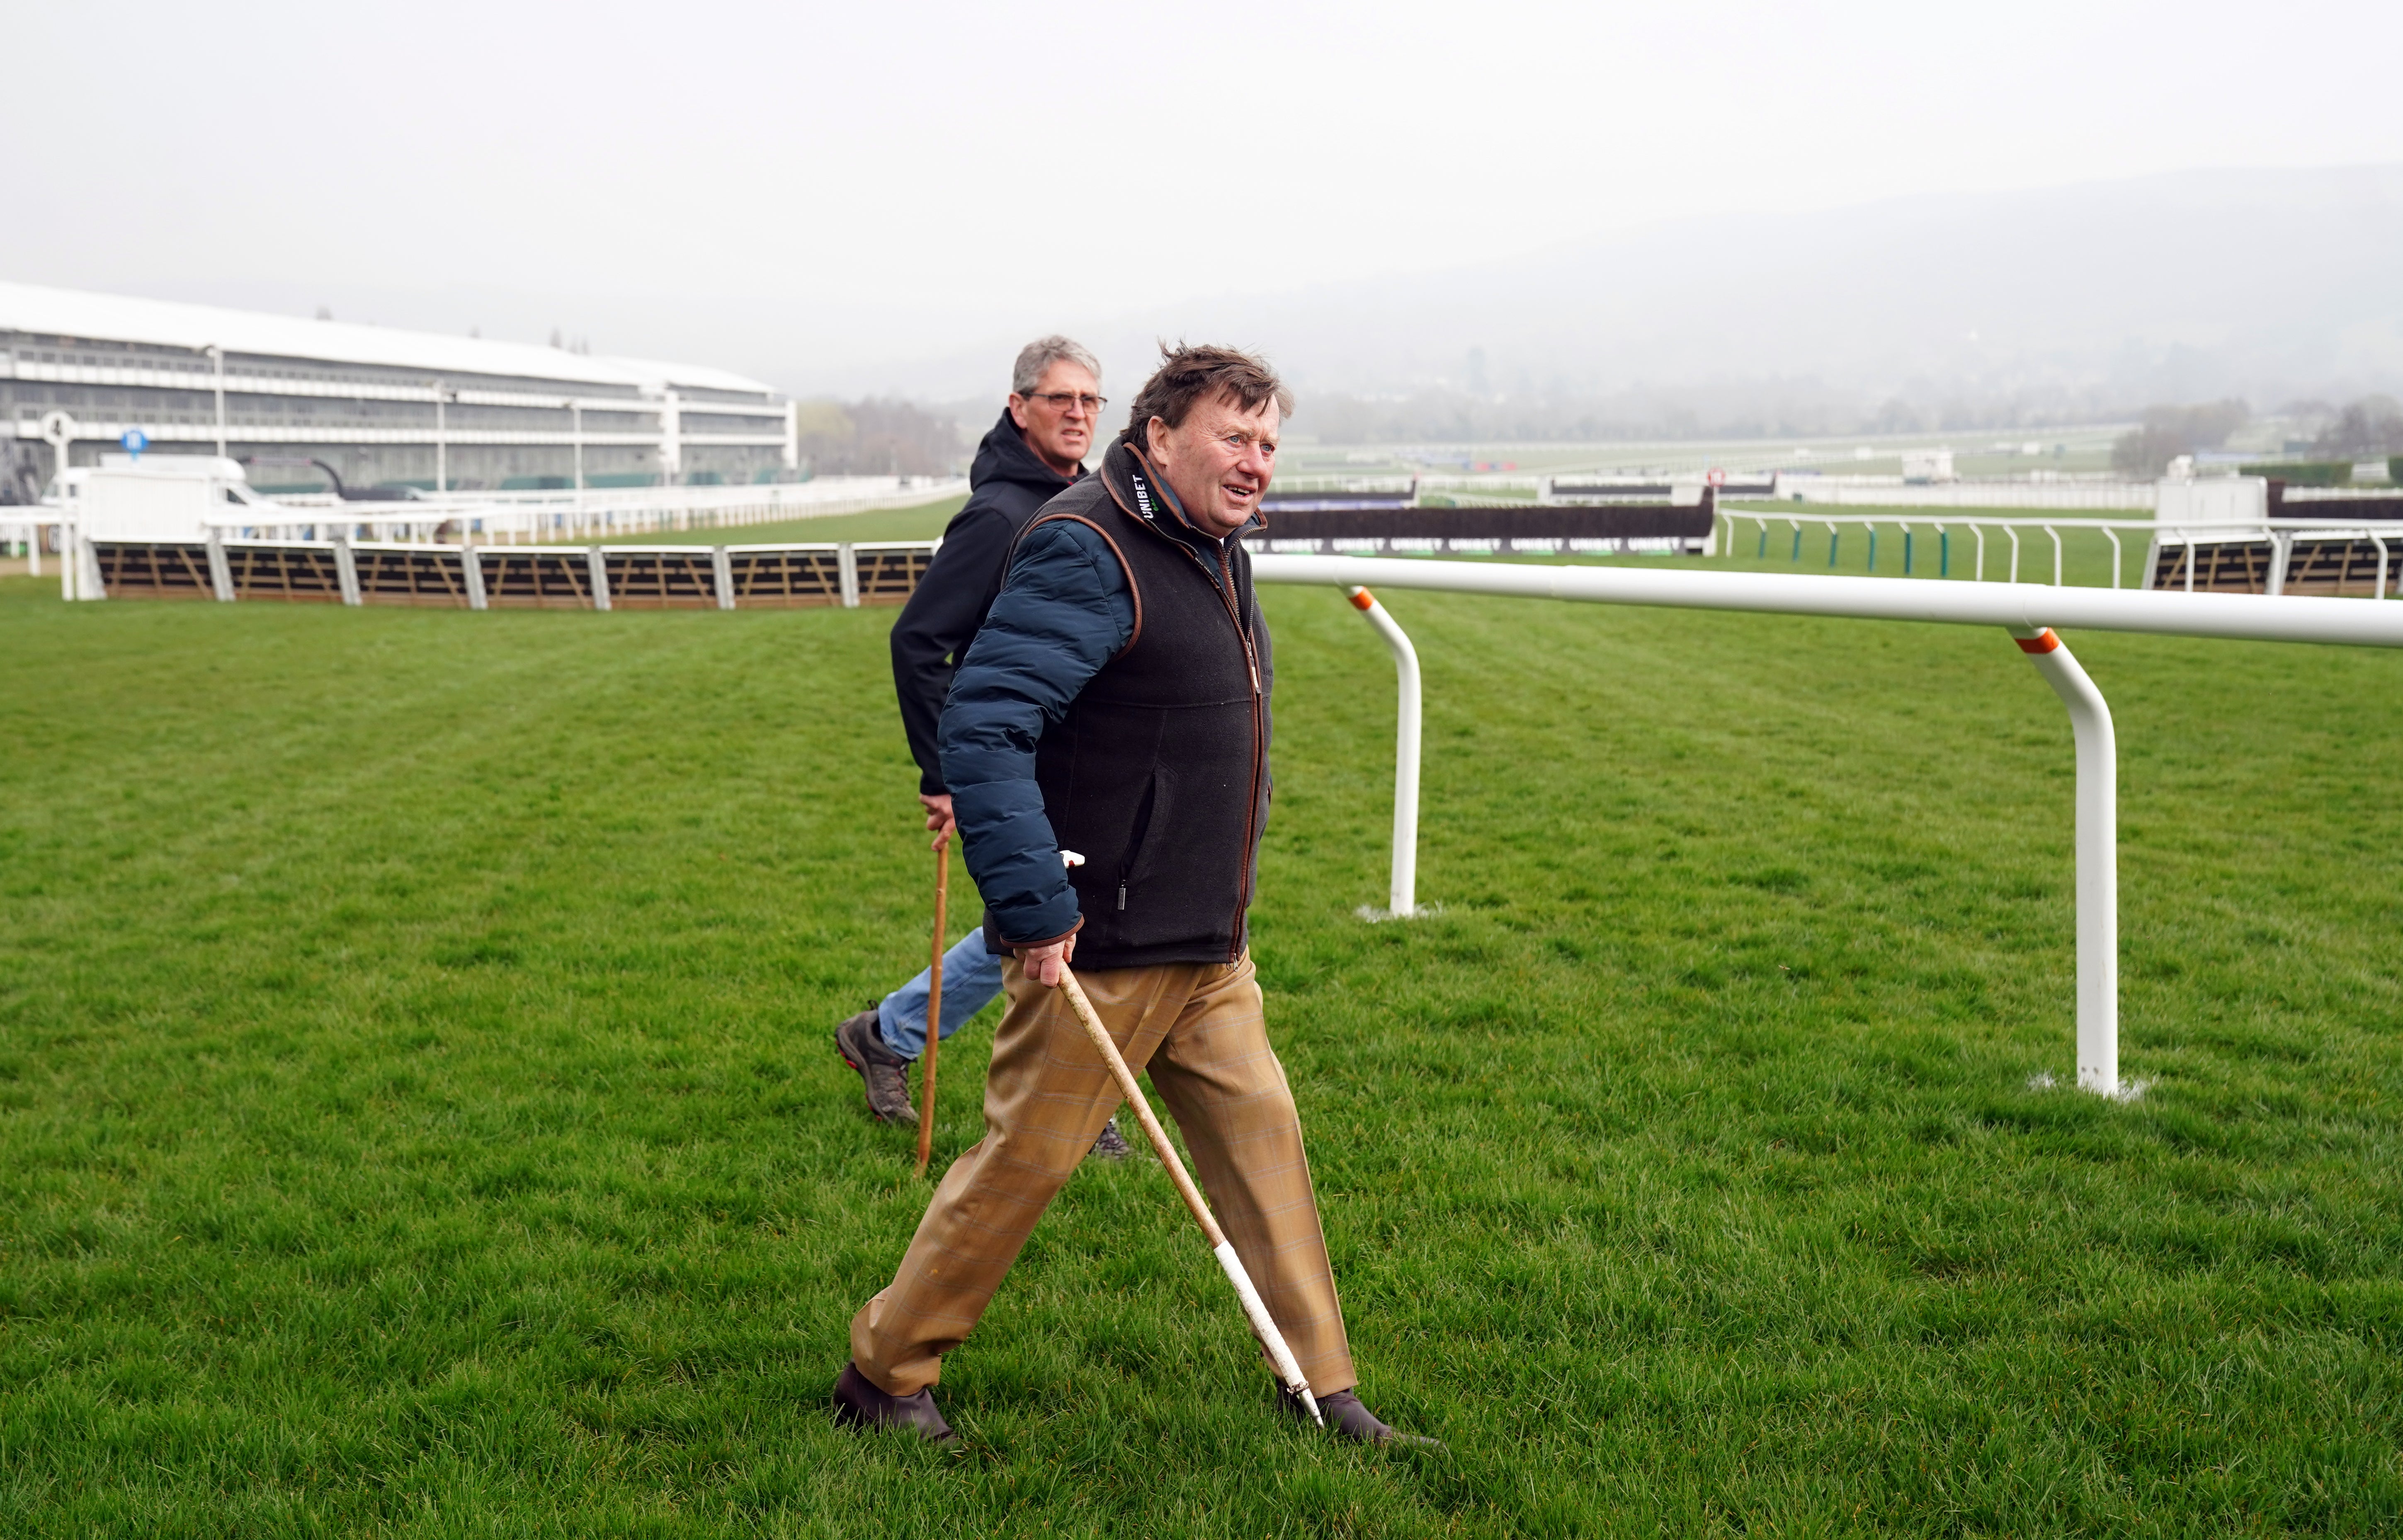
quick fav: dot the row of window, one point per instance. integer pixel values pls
(83, 353)
(26, 399)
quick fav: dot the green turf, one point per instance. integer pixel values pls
(923, 522)
(417, 1118)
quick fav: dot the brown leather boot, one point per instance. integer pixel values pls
(859, 1404)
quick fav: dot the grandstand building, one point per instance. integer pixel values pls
(380, 406)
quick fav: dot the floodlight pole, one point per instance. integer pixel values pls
(1402, 894)
(2098, 857)
(217, 377)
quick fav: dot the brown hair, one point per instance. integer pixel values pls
(1189, 375)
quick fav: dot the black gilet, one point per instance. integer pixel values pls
(1158, 774)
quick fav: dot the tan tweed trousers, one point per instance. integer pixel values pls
(1198, 1031)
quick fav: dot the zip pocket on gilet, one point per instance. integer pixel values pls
(1135, 839)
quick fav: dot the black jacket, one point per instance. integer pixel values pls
(1116, 704)
(1007, 484)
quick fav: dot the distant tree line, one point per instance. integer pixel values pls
(1791, 409)
(883, 436)
(2146, 450)
(2372, 426)
(878, 438)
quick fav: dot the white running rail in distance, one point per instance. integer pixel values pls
(2284, 537)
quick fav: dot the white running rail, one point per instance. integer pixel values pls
(2027, 611)
(2282, 532)
(1892, 492)
(554, 517)
(1402, 892)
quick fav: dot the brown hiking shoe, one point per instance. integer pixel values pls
(1347, 1419)
(859, 1404)
(886, 1074)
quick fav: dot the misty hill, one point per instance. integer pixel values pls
(2062, 304)
(2046, 305)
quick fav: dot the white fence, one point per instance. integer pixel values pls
(1880, 492)
(1769, 532)
(521, 517)
(2027, 611)
(513, 518)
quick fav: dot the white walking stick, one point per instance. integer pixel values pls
(1255, 1312)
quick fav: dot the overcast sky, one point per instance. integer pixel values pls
(876, 181)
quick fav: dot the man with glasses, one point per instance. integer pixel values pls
(1034, 451)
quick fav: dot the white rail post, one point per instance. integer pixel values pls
(471, 571)
(87, 579)
(220, 570)
(596, 561)
(72, 545)
(2098, 857)
(721, 571)
(1402, 892)
(346, 568)
(846, 561)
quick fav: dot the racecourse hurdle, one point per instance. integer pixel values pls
(839, 573)
(2027, 611)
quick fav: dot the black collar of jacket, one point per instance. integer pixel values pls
(1144, 494)
(1004, 456)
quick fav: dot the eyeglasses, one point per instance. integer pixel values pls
(1062, 400)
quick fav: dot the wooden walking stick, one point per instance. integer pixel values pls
(1263, 1325)
(934, 1005)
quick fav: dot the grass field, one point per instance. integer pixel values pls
(417, 1118)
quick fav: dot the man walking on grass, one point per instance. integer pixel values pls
(1116, 704)
(1035, 451)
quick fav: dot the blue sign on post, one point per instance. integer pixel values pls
(135, 442)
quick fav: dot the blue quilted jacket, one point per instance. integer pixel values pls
(1064, 611)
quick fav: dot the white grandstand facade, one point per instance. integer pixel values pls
(378, 407)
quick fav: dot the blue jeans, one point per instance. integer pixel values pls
(971, 978)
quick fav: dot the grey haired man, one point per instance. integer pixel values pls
(1034, 452)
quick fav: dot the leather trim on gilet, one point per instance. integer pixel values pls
(1158, 773)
